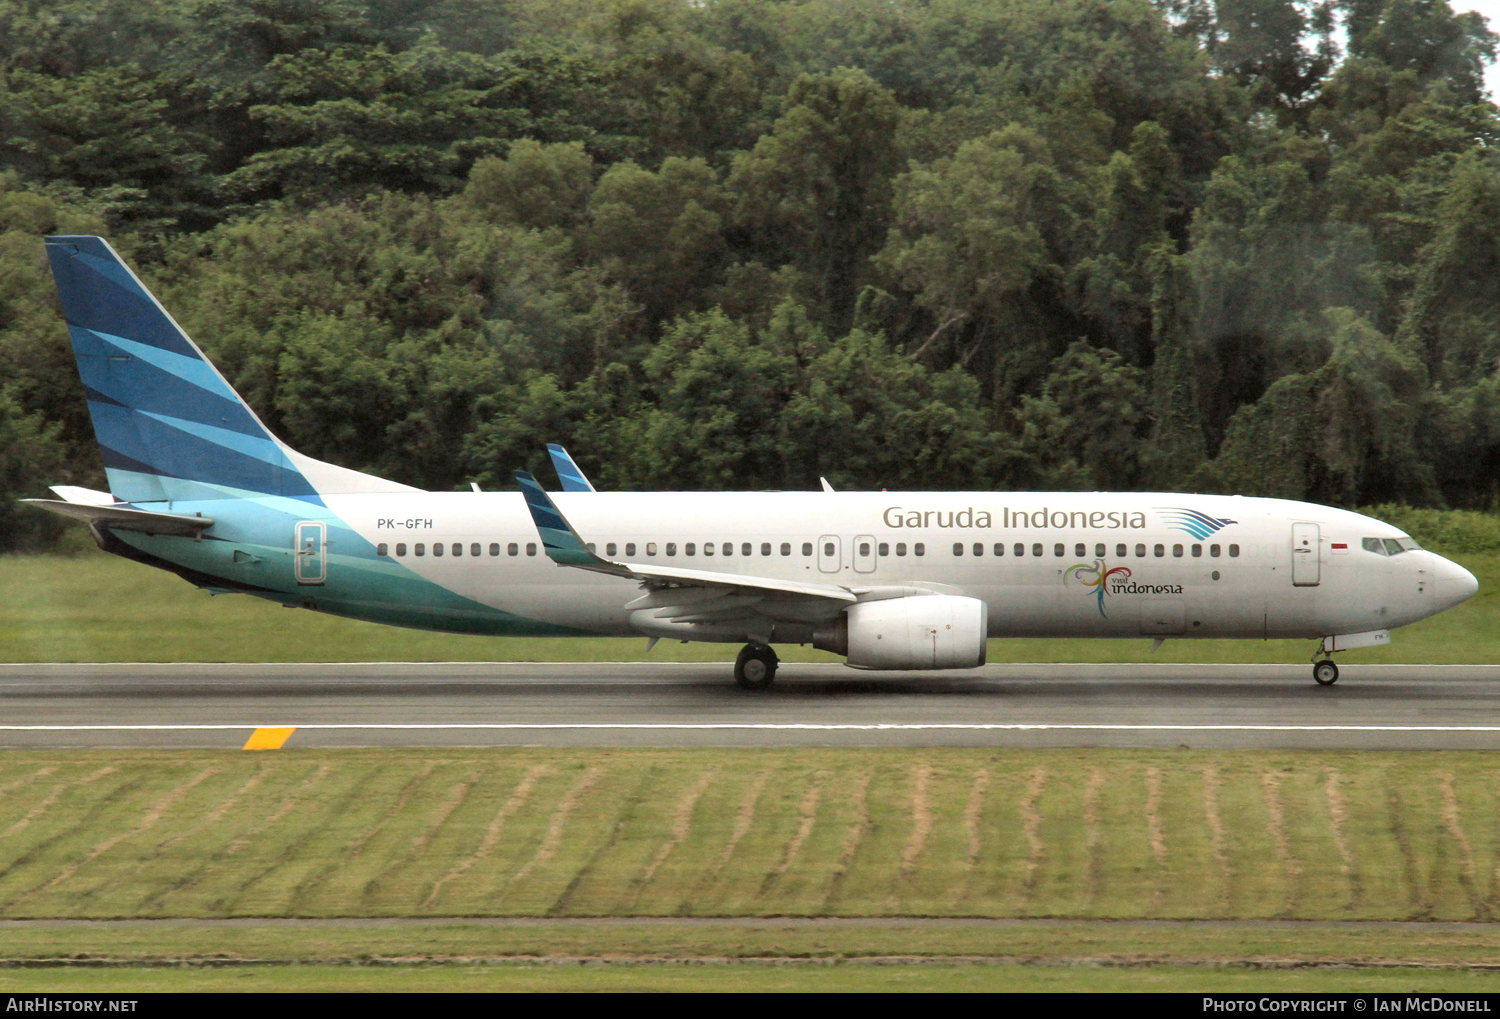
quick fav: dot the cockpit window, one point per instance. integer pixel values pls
(1392, 546)
(1408, 544)
(1389, 546)
(1373, 545)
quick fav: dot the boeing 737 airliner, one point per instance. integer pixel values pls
(912, 580)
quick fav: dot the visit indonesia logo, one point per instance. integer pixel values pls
(1095, 578)
(1100, 579)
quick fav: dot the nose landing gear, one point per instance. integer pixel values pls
(755, 667)
(1325, 673)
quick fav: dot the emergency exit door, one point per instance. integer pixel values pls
(830, 553)
(1307, 555)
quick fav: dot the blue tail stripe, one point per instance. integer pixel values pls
(136, 383)
(99, 294)
(250, 445)
(189, 369)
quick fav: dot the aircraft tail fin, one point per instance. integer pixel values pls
(169, 426)
(568, 472)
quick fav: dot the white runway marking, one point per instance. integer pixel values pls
(813, 726)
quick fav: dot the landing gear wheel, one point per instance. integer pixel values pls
(1325, 673)
(755, 668)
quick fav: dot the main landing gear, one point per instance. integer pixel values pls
(1325, 673)
(755, 668)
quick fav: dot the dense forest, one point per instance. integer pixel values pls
(1205, 245)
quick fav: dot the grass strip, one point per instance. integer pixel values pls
(532, 977)
(1122, 834)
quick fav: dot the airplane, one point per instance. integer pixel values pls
(915, 581)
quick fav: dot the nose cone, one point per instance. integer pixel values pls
(1454, 584)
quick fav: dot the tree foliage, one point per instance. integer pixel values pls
(744, 243)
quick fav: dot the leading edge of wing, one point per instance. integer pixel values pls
(564, 547)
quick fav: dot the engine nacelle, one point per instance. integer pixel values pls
(930, 631)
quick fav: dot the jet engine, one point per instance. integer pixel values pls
(932, 631)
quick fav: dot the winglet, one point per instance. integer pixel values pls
(567, 471)
(561, 543)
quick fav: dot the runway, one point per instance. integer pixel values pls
(664, 704)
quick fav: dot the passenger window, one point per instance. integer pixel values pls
(1161, 550)
(1197, 551)
(1140, 551)
(708, 548)
(651, 548)
(979, 548)
(437, 548)
(1234, 551)
(1020, 550)
(786, 548)
(494, 548)
(958, 548)
(901, 548)
(806, 548)
(691, 548)
(1213, 551)
(531, 548)
(1120, 551)
(382, 549)
(630, 549)
(1036, 549)
(400, 548)
(765, 548)
(458, 548)
(671, 548)
(749, 549)
(419, 549)
(513, 549)
(999, 548)
(827, 548)
(864, 548)
(728, 548)
(1058, 550)
(1177, 551)
(1373, 545)
(1080, 550)
(1099, 551)
(885, 548)
(919, 549)
(609, 549)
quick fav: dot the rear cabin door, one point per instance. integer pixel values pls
(864, 553)
(830, 555)
(1306, 555)
(312, 558)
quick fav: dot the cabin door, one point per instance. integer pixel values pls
(1306, 555)
(864, 553)
(312, 558)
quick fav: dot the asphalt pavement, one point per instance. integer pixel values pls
(664, 704)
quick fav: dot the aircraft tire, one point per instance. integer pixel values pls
(1325, 673)
(755, 668)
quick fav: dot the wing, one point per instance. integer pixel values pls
(564, 547)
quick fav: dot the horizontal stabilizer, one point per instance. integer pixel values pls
(124, 518)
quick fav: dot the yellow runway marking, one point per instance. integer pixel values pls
(268, 739)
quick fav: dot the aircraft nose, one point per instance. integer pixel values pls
(1454, 583)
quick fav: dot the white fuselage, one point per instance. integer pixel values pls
(1243, 579)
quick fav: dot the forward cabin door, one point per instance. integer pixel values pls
(312, 559)
(1306, 555)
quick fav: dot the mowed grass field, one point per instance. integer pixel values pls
(93, 607)
(684, 833)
